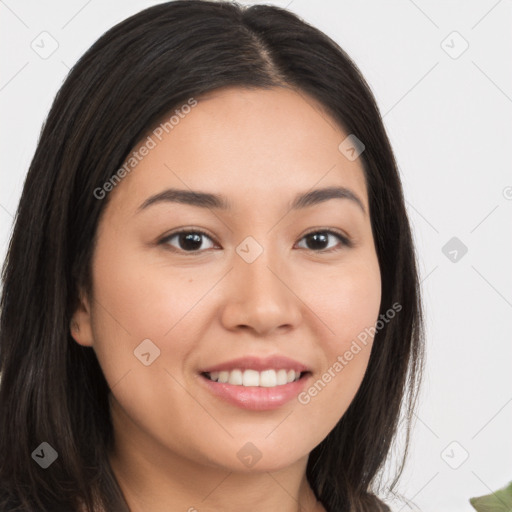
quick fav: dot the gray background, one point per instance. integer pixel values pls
(448, 113)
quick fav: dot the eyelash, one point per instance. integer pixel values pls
(345, 241)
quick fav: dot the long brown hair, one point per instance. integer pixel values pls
(52, 389)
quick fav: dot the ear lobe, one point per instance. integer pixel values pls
(80, 325)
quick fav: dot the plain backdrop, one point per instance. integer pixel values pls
(441, 73)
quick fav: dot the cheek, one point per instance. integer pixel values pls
(352, 316)
(346, 299)
(348, 303)
(142, 299)
(137, 300)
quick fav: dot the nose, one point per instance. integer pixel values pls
(260, 296)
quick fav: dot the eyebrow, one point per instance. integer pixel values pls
(208, 200)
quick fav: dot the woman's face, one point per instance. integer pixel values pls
(258, 284)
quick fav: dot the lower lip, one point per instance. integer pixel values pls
(254, 397)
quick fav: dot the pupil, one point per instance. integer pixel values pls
(322, 237)
(190, 241)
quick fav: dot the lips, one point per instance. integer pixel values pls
(256, 398)
(276, 362)
(256, 383)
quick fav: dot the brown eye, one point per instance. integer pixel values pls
(319, 241)
(187, 241)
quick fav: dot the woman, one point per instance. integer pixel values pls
(210, 299)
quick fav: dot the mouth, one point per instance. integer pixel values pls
(270, 378)
(255, 390)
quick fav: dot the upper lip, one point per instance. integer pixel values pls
(276, 362)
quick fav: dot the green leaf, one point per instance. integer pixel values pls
(499, 501)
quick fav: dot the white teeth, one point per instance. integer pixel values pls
(282, 377)
(250, 378)
(267, 378)
(235, 377)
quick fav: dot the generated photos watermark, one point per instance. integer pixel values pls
(343, 360)
(150, 143)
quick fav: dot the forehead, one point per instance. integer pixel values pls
(245, 144)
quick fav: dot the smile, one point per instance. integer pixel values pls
(256, 397)
(267, 378)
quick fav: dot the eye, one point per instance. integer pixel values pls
(318, 239)
(188, 241)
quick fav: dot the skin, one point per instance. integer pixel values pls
(175, 443)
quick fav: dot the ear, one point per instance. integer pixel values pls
(80, 324)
